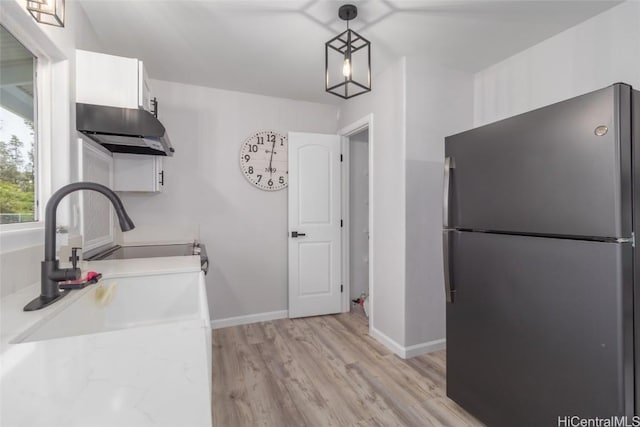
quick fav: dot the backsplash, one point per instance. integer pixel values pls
(158, 234)
(20, 268)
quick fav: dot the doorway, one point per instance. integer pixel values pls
(358, 220)
(357, 205)
(320, 222)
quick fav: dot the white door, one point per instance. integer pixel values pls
(314, 224)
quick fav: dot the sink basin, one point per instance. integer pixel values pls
(137, 301)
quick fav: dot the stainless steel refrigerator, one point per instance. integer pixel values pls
(539, 254)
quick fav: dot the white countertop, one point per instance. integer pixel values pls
(144, 376)
(13, 320)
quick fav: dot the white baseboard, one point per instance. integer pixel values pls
(425, 347)
(410, 351)
(250, 318)
(387, 342)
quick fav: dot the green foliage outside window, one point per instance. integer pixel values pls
(16, 180)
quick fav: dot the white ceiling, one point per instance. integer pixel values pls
(277, 47)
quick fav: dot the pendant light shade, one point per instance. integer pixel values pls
(348, 60)
(49, 12)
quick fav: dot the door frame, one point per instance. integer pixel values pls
(365, 123)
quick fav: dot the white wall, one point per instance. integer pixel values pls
(22, 250)
(243, 227)
(596, 53)
(439, 103)
(387, 103)
(415, 104)
(358, 214)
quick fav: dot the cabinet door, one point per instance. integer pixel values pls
(133, 172)
(159, 160)
(106, 80)
(96, 219)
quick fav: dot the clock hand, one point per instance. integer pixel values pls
(273, 147)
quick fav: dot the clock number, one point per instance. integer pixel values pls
(270, 182)
(281, 141)
(261, 140)
(259, 177)
(253, 148)
(247, 157)
(281, 180)
(250, 170)
(271, 138)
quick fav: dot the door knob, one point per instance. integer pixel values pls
(296, 234)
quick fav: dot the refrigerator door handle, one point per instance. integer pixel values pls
(446, 234)
(448, 291)
(448, 165)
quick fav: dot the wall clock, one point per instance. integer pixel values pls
(263, 160)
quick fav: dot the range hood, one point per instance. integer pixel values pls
(123, 130)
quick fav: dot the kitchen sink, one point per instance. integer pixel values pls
(136, 301)
(150, 251)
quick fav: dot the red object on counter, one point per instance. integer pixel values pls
(92, 275)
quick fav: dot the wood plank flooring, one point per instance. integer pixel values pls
(325, 371)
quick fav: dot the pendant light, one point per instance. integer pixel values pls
(49, 12)
(348, 60)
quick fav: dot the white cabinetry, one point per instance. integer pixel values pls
(111, 80)
(116, 81)
(133, 172)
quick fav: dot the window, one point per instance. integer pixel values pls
(18, 151)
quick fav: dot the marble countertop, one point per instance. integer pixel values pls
(14, 321)
(152, 375)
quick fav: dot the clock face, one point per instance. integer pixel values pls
(263, 160)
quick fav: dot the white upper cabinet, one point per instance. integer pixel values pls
(120, 82)
(144, 90)
(111, 80)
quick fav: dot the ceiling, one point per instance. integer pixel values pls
(277, 47)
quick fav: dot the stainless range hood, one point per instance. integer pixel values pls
(123, 130)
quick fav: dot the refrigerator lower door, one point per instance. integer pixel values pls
(540, 328)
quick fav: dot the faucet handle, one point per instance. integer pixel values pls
(74, 258)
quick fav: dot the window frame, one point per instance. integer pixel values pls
(19, 23)
(36, 155)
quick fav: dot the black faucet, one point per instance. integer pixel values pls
(51, 273)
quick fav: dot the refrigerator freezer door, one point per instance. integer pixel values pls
(539, 328)
(561, 170)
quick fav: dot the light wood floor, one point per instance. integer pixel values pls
(324, 371)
